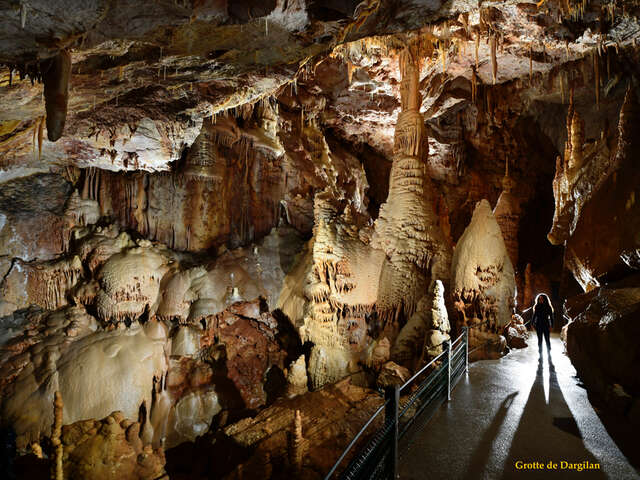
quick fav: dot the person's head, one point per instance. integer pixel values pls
(543, 299)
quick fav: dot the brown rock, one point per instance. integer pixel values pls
(392, 374)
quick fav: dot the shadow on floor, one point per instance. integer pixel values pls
(548, 432)
(483, 451)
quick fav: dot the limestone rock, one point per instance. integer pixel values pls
(250, 348)
(62, 351)
(602, 342)
(297, 378)
(392, 374)
(611, 206)
(516, 333)
(483, 277)
(109, 449)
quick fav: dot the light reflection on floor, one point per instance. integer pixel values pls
(521, 407)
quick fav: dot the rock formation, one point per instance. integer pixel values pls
(483, 280)
(110, 448)
(507, 213)
(591, 249)
(297, 377)
(209, 208)
(387, 269)
(602, 344)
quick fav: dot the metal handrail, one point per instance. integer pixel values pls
(457, 362)
(355, 439)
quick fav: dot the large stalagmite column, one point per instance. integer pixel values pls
(507, 213)
(353, 282)
(408, 231)
(407, 228)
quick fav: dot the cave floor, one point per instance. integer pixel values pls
(516, 409)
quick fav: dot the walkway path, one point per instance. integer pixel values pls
(515, 409)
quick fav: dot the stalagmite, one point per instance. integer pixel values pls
(494, 59)
(297, 377)
(477, 47)
(298, 444)
(56, 468)
(596, 70)
(507, 213)
(56, 92)
(530, 64)
(482, 274)
(528, 287)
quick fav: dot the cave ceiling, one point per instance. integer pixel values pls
(145, 74)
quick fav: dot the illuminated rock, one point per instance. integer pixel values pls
(483, 280)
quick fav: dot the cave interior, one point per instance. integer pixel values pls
(226, 225)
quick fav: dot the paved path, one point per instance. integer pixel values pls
(518, 408)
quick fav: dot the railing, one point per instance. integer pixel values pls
(378, 458)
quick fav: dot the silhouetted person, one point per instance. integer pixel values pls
(542, 320)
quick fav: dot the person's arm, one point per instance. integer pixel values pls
(551, 318)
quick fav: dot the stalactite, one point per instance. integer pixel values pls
(34, 138)
(36, 449)
(596, 69)
(474, 85)
(477, 47)
(56, 92)
(23, 14)
(494, 59)
(56, 468)
(443, 55)
(530, 64)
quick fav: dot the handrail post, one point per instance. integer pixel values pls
(466, 349)
(449, 369)
(391, 415)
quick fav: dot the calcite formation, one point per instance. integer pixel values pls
(129, 284)
(483, 280)
(297, 378)
(63, 351)
(507, 213)
(323, 423)
(208, 208)
(109, 449)
(56, 79)
(425, 333)
(609, 205)
(129, 318)
(408, 252)
(515, 332)
(407, 228)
